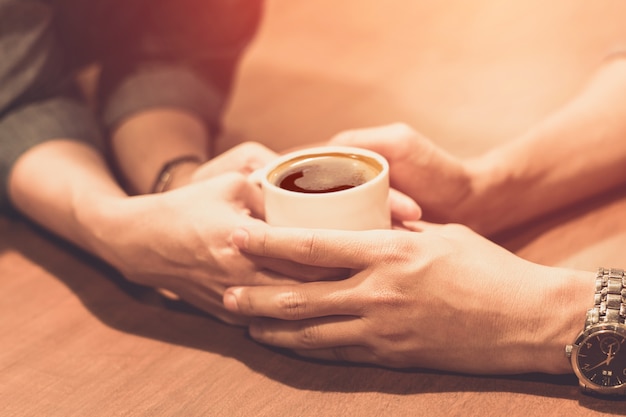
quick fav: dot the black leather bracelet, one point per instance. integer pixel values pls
(166, 174)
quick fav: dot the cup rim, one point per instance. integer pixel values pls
(263, 173)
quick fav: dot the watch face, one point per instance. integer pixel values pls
(601, 358)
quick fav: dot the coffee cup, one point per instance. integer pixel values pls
(327, 187)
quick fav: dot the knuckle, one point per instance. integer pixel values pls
(292, 305)
(454, 229)
(387, 297)
(265, 244)
(402, 129)
(246, 303)
(309, 336)
(309, 249)
(396, 251)
(344, 136)
(254, 151)
(252, 147)
(234, 180)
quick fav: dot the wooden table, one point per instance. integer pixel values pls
(76, 339)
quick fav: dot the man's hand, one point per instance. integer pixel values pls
(442, 298)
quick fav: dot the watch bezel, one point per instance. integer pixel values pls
(586, 384)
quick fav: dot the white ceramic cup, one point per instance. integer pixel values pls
(362, 205)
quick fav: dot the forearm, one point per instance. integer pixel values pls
(577, 152)
(66, 187)
(144, 143)
(162, 92)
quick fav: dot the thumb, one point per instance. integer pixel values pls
(238, 190)
(388, 140)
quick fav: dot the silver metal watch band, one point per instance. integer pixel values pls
(609, 299)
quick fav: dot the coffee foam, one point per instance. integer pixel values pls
(328, 172)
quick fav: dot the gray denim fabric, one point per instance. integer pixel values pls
(174, 53)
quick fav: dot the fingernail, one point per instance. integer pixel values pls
(240, 238)
(230, 301)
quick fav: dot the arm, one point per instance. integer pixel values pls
(164, 87)
(444, 298)
(575, 153)
(51, 173)
(176, 240)
(168, 134)
(37, 101)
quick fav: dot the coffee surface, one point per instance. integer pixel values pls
(326, 173)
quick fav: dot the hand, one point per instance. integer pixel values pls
(243, 158)
(441, 184)
(180, 241)
(250, 156)
(443, 298)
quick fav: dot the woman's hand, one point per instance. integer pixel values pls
(180, 241)
(442, 298)
(243, 158)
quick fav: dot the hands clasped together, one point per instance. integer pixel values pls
(423, 295)
(436, 296)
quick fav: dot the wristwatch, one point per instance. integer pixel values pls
(598, 354)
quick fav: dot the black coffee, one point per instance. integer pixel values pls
(325, 173)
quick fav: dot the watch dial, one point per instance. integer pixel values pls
(602, 359)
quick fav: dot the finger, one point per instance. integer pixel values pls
(424, 226)
(238, 189)
(370, 136)
(269, 277)
(381, 139)
(210, 303)
(318, 247)
(243, 158)
(355, 354)
(252, 198)
(403, 207)
(319, 333)
(294, 302)
(298, 271)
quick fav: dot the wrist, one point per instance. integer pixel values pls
(504, 193)
(566, 304)
(482, 208)
(168, 133)
(104, 218)
(176, 173)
